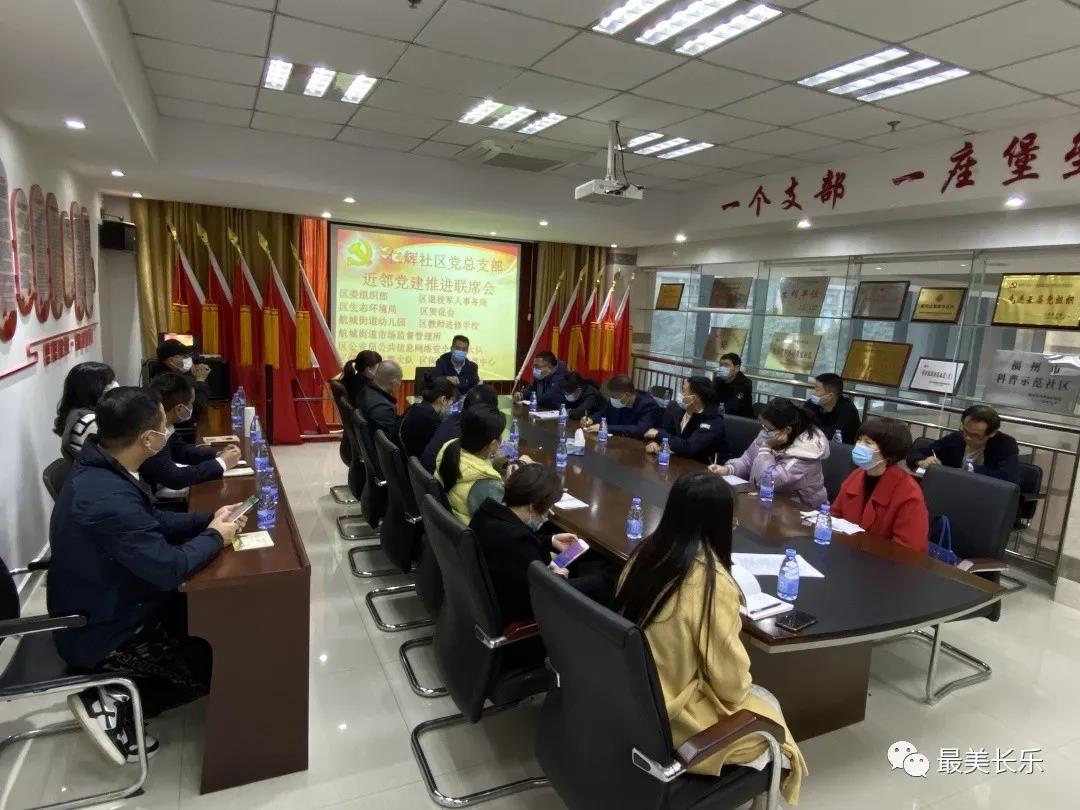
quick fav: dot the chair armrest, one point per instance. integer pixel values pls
(38, 624)
(983, 565)
(32, 566)
(518, 631)
(723, 733)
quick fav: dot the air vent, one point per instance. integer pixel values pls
(523, 156)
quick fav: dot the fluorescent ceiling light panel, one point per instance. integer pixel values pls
(516, 115)
(319, 81)
(663, 146)
(686, 150)
(681, 20)
(916, 84)
(480, 112)
(738, 24)
(277, 74)
(642, 139)
(859, 65)
(624, 15)
(359, 88)
(543, 122)
(885, 76)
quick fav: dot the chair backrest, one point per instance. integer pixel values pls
(661, 393)
(923, 443)
(55, 475)
(836, 468)
(740, 433)
(423, 375)
(424, 483)
(759, 408)
(1031, 476)
(466, 665)
(341, 401)
(373, 498)
(398, 535)
(9, 594)
(428, 578)
(981, 509)
(605, 701)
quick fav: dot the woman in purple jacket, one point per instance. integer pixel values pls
(793, 446)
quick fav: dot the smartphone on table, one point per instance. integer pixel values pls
(795, 621)
(576, 548)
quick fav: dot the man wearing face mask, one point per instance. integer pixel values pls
(734, 391)
(833, 410)
(548, 375)
(629, 412)
(693, 426)
(979, 440)
(172, 355)
(164, 470)
(581, 396)
(378, 402)
(118, 561)
(456, 366)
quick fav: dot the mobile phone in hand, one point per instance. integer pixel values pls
(242, 509)
(573, 551)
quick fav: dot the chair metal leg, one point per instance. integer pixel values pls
(342, 494)
(363, 574)
(484, 795)
(1012, 584)
(935, 693)
(393, 590)
(355, 527)
(410, 673)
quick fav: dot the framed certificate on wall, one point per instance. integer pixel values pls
(1048, 300)
(793, 352)
(876, 362)
(730, 293)
(669, 296)
(880, 300)
(937, 375)
(939, 304)
(724, 340)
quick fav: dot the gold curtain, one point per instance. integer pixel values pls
(555, 257)
(155, 251)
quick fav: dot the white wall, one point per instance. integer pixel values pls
(28, 399)
(121, 343)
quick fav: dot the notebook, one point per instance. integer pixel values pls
(756, 604)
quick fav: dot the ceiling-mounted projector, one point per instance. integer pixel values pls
(609, 190)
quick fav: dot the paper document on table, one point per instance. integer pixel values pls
(238, 472)
(544, 415)
(250, 540)
(756, 603)
(838, 524)
(568, 501)
(734, 480)
(768, 565)
(220, 439)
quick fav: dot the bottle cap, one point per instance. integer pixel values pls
(636, 501)
(791, 552)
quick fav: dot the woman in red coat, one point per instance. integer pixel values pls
(881, 496)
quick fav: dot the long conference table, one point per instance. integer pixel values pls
(873, 588)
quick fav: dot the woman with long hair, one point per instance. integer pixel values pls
(358, 372)
(677, 587)
(464, 467)
(84, 385)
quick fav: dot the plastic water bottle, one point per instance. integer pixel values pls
(635, 523)
(787, 583)
(255, 431)
(664, 456)
(823, 527)
(532, 403)
(602, 435)
(513, 440)
(560, 453)
(720, 409)
(237, 413)
(969, 464)
(838, 437)
(268, 499)
(260, 456)
(562, 418)
(767, 487)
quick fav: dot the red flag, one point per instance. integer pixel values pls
(570, 316)
(187, 295)
(246, 331)
(218, 315)
(322, 341)
(541, 339)
(279, 350)
(595, 342)
(576, 357)
(314, 339)
(623, 336)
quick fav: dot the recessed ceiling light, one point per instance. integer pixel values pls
(543, 223)
(663, 146)
(681, 20)
(803, 224)
(739, 24)
(1015, 201)
(543, 122)
(856, 66)
(319, 81)
(493, 233)
(326, 215)
(878, 267)
(614, 245)
(629, 12)
(277, 74)
(680, 237)
(916, 84)
(359, 88)
(116, 173)
(480, 112)
(642, 139)
(515, 116)
(74, 123)
(886, 76)
(686, 150)
(350, 200)
(136, 194)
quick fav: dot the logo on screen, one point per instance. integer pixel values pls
(359, 253)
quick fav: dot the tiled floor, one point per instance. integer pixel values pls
(362, 710)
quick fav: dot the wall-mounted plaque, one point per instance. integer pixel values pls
(793, 352)
(56, 255)
(24, 252)
(801, 296)
(88, 261)
(68, 241)
(937, 376)
(80, 263)
(724, 340)
(39, 241)
(669, 296)
(876, 362)
(939, 304)
(91, 286)
(9, 313)
(1050, 300)
(1035, 381)
(880, 300)
(730, 293)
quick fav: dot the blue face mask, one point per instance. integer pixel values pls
(616, 403)
(538, 373)
(767, 434)
(724, 373)
(572, 397)
(863, 457)
(458, 355)
(815, 399)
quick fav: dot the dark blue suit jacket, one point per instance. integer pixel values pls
(162, 470)
(703, 437)
(633, 421)
(468, 377)
(1000, 457)
(548, 390)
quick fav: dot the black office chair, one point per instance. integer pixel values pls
(661, 393)
(759, 409)
(981, 512)
(470, 647)
(55, 475)
(354, 526)
(341, 492)
(399, 532)
(373, 498)
(836, 468)
(922, 444)
(740, 433)
(36, 669)
(1031, 476)
(604, 738)
(423, 376)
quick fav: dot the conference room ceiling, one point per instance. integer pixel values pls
(206, 59)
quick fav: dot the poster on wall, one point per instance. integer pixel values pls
(939, 304)
(56, 256)
(793, 352)
(91, 285)
(24, 255)
(876, 362)
(88, 262)
(801, 296)
(724, 340)
(880, 300)
(1034, 381)
(730, 293)
(1050, 300)
(8, 308)
(937, 376)
(69, 259)
(669, 296)
(80, 266)
(39, 243)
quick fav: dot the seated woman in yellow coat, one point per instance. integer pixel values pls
(678, 589)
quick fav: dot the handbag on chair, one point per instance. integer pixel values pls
(941, 541)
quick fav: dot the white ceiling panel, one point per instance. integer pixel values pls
(582, 13)
(675, 169)
(1038, 110)
(579, 131)
(548, 94)
(380, 140)
(716, 128)
(314, 44)
(197, 111)
(200, 22)
(1053, 74)
(396, 123)
(897, 21)
(783, 142)
(408, 98)
(686, 186)
(463, 134)
(437, 149)
(189, 87)
(837, 153)
(446, 71)
(916, 136)
(317, 109)
(376, 17)
(1072, 98)
(294, 126)
(859, 122)
(958, 97)
(787, 105)
(724, 157)
(576, 172)
(607, 62)
(642, 113)
(1011, 34)
(790, 47)
(698, 84)
(725, 178)
(776, 165)
(632, 162)
(490, 33)
(203, 62)
(265, 5)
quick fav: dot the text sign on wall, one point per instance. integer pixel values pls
(937, 376)
(938, 304)
(880, 300)
(1034, 381)
(1039, 300)
(876, 362)
(793, 352)
(724, 340)
(801, 297)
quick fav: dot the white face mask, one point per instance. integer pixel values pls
(111, 386)
(186, 364)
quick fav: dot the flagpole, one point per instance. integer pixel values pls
(253, 288)
(538, 333)
(215, 268)
(607, 298)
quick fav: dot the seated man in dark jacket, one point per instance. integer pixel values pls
(180, 463)
(118, 561)
(991, 452)
(450, 427)
(422, 419)
(629, 412)
(378, 401)
(692, 425)
(734, 391)
(172, 355)
(456, 366)
(548, 375)
(581, 396)
(834, 411)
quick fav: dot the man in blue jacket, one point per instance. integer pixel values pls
(629, 412)
(548, 375)
(692, 424)
(979, 439)
(456, 366)
(118, 561)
